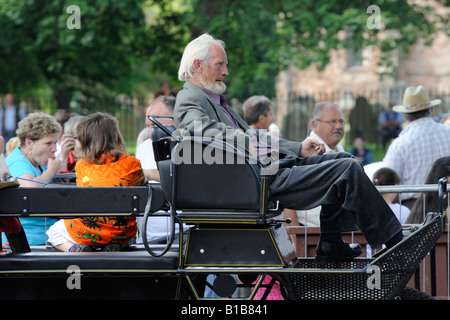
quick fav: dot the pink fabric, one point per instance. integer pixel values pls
(275, 293)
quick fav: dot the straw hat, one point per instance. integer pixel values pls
(416, 99)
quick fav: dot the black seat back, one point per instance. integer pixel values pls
(187, 172)
(203, 174)
(209, 177)
(161, 142)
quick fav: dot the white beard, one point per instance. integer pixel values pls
(215, 87)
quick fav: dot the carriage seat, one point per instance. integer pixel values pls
(206, 178)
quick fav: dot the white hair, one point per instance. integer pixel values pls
(196, 49)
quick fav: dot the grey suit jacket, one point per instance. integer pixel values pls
(194, 106)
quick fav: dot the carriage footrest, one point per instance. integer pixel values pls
(364, 279)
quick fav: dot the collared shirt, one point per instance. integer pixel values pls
(221, 100)
(339, 148)
(311, 217)
(413, 153)
(263, 149)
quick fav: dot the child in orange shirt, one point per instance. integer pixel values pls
(104, 163)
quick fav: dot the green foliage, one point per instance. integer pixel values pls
(103, 51)
(264, 37)
(126, 46)
(249, 31)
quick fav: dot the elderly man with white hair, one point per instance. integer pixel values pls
(305, 177)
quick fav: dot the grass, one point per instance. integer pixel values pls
(376, 148)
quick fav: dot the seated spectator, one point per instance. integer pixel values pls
(70, 127)
(420, 144)
(258, 112)
(327, 127)
(61, 115)
(161, 106)
(158, 227)
(302, 180)
(104, 163)
(360, 152)
(34, 163)
(388, 177)
(440, 169)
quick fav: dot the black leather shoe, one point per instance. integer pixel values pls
(327, 252)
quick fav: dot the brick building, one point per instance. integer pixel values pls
(354, 81)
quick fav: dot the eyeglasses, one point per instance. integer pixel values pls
(334, 122)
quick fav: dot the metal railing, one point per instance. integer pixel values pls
(441, 187)
(444, 203)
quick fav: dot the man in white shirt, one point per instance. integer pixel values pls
(157, 227)
(161, 106)
(327, 127)
(420, 144)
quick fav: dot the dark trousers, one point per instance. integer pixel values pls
(339, 184)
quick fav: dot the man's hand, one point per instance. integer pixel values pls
(312, 147)
(67, 144)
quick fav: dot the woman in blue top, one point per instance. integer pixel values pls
(34, 163)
